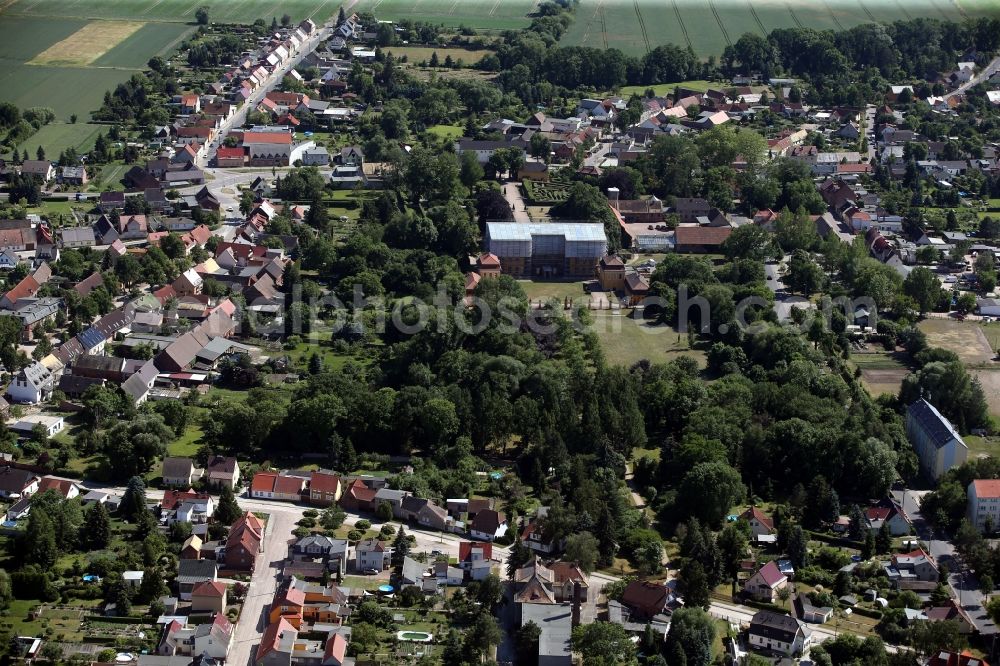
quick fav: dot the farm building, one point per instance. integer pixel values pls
(554, 249)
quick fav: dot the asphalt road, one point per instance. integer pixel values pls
(983, 74)
(239, 118)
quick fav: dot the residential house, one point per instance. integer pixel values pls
(415, 574)
(333, 552)
(476, 559)
(779, 633)
(938, 445)
(77, 237)
(700, 239)
(373, 554)
(177, 472)
(887, 512)
(215, 639)
(766, 583)
(193, 572)
(915, 565)
(209, 596)
(325, 488)
(689, 209)
(984, 504)
(964, 658)
(188, 283)
(66, 488)
(17, 483)
(244, 542)
(41, 169)
(222, 471)
(279, 486)
(191, 548)
(32, 384)
(358, 497)
(488, 525)
(533, 536)
(277, 644)
(760, 523)
(557, 583)
(647, 599)
(394, 498)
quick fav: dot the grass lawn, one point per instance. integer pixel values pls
(415, 54)
(446, 131)
(549, 290)
(110, 178)
(187, 444)
(58, 136)
(626, 340)
(363, 582)
(668, 88)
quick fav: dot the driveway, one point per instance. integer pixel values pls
(512, 193)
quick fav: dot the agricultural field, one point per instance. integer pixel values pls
(59, 136)
(708, 26)
(485, 15)
(68, 64)
(222, 11)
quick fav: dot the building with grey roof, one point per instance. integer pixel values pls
(937, 444)
(556, 624)
(555, 249)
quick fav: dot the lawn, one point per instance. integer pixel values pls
(225, 11)
(881, 372)
(626, 341)
(187, 445)
(415, 54)
(446, 131)
(58, 136)
(485, 15)
(709, 26)
(967, 339)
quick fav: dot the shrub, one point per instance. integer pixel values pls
(355, 535)
(363, 525)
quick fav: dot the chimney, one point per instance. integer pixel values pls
(576, 604)
(613, 196)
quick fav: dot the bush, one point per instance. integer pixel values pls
(387, 530)
(355, 535)
(307, 522)
(310, 513)
(363, 525)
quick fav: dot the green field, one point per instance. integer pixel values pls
(708, 26)
(222, 11)
(478, 14)
(71, 89)
(59, 136)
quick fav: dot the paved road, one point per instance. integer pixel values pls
(512, 194)
(963, 582)
(239, 118)
(984, 74)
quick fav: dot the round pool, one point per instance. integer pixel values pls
(415, 636)
(385, 589)
(124, 657)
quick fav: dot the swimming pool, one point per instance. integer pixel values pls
(415, 636)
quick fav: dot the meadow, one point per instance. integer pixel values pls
(486, 15)
(222, 11)
(708, 26)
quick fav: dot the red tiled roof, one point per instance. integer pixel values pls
(267, 137)
(760, 516)
(269, 641)
(263, 482)
(324, 483)
(209, 588)
(336, 648)
(987, 487)
(770, 574)
(62, 486)
(702, 235)
(465, 549)
(226, 153)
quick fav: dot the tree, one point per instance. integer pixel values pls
(134, 499)
(481, 636)
(201, 15)
(227, 511)
(526, 643)
(582, 549)
(40, 545)
(603, 644)
(691, 634)
(883, 539)
(858, 524)
(400, 548)
(96, 534)
(152, 586)
(121, 597)
(804, 275)
(709, 489)
(797, 547)
(519, 554)
(695, 587)
(923, 287)
(470, 170)
(383, 511)
(40, 154)
(749, 242)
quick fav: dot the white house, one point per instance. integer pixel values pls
(938, 445)
(32, 384)
(984, 504)
(52, 424)
(373, 554)
(779, 633)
